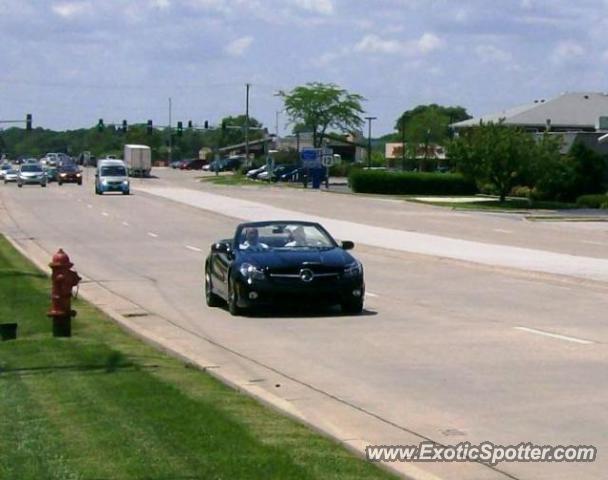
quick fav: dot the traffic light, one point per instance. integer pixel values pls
(180, 129)
(100, 125)
(206, 124)
(28, 122)
(124, 126)
(189, 123)
(150, 127)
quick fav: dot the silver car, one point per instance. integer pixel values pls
(5, 167)
(31, 173)
(11, 175)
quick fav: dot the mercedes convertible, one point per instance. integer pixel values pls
(283, 262)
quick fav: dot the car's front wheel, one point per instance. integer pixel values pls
(211, 298)
(352, 306)
(233, 299)
(20, 185)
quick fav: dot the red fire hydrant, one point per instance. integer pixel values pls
(63, 280)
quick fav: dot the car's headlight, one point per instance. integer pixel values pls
(353, 269)
(125, 182)
(78, 175)
(251, 272)
(104, 181)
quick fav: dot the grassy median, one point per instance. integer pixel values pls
(103, 405)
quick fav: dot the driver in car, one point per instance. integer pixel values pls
(297, 238)
(252, 241)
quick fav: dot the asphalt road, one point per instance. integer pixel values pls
(446, 350)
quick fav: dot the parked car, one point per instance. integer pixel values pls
(254, 172)
(176, 163)
(5, 167)
(31, 174)
(293, 174)
(69, 173)
(283, 261)
(111, 176)
(11, 175)
(194, 164)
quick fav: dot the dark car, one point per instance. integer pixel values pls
(195, 164)
(69, 173)
(268, 263)
(177, 163)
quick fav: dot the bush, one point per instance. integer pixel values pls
(521, 192)
(410, 183)
(343, 169)
(592, 201)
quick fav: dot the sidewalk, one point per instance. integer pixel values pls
(541, 261)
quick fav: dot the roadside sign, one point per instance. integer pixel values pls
(310, 157)
(327, 160)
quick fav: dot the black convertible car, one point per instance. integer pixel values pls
(270, 263)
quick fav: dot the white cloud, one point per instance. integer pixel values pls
(238, 47)
(324, 7)
(490, 53)
(424, 45)
(428, 43)
(161, 4)
(374, 44)
(70, 9)
(567, 51)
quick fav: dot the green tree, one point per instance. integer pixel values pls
(493, 154)
(428, 123)
(322, 107)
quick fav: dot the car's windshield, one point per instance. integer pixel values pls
(113, 171)
(5, 167)
(69, 168)
(283, 236)
(31, 168)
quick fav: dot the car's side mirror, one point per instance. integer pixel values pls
(220, 248)
(347, 245)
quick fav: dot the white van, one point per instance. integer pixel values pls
(111, 176)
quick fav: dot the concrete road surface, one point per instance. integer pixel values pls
(447, 350)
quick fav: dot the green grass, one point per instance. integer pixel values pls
(510, 204)
(103, 405)
(233, 180)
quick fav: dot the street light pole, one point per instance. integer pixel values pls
(170, 135)
(369, 140)
(247, 85)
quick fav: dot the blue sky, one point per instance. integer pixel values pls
(70, 62)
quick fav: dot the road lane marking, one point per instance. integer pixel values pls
(105, 214)
(126, 224)
(555, 335)
(194, 249)
(89, 205)
(370, 294)
(153, 235)
(502, 230)
(591, 242)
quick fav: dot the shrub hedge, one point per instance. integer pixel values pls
(410, 183)
(593, 201)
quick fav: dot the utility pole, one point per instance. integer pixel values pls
(402, 125)
(369, 140)
(170, 135)
(247, 85)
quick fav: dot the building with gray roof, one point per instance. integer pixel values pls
(581, 112)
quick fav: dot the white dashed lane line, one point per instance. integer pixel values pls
(502, 230)
(126, 224)
(555, 335)
(371, 295)
(105, 214)
(152, 234)
(194, 249)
